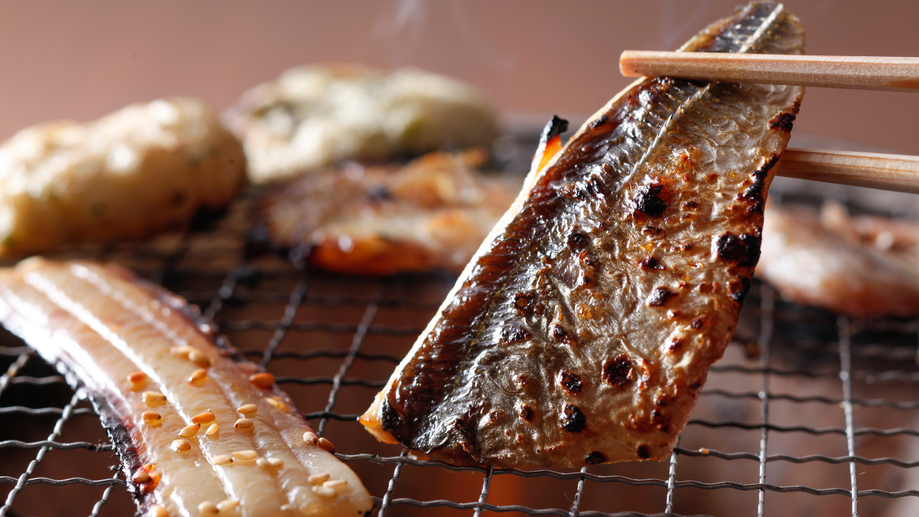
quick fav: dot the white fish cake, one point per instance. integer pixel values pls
(319, 115)
(143, 169)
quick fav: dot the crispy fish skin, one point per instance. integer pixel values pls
(143, 169)
(431, 213)
(197, 428)
(583, 329)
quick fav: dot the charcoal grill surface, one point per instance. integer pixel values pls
(808, 413)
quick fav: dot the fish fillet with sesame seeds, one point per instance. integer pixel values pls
(199, 430)
(582, 330)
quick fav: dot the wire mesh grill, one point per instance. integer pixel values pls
(807, 413)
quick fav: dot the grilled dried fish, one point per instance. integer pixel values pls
(199, 432)
(431, 213)
(143, 169)
(583, 329)
(860, 266)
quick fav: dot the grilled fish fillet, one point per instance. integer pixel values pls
(431, 213)
(315, 116)
(584, 327)
(860, 266)
(199, 431)
(141, 170)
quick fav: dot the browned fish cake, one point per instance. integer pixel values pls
(583, 329)
(143, 169)
(432, 213)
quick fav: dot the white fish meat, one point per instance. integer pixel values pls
(199, 431)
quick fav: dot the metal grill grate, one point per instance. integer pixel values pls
(807, 413)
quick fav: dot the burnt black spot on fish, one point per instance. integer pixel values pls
(522, 300)
(574, 190)
(743, 249)
(659, 296)
(573, 419)
(578, 240)
(514, 334)
(643, 452)
(595, 458)
(648, 200)
(599, 121)
(698, 323)
(782, 122)
(560, 334)
(586, 281)
(525, 412)
(690, 204)
(650, 230)
(740, 289)
(554, 128)
(650, 263)
(754, 192)
(675, 345)
(617, 372)
(495, 416)
(586, 260)
(571, 382)
(389, 418)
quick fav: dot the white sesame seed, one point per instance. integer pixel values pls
(203, 418)
(227, 505)
(158, 510)
(317, 479)
(247, 455)
(154, 398)
(327, 445)
(323, 491)
(262, 380)
(208, 508)
(189, 430)
(181, 445)
(199, 358)
(246, 409)
(275, 463)
(244, 424)
(222, 459)
(212, 431)
(198, 375)
(311, 437)
(180, 351)
(335, 484)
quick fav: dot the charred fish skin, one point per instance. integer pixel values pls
(198, 432)
(583, 329)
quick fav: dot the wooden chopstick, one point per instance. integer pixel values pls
(899, 173)
(899, 74)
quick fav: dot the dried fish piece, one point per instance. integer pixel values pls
(860, 266)
(583, 329)
(431, 213)
(315, 116)
(144, 169)
(97, 324)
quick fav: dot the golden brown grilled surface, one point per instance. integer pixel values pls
(860, 266)
(316, 116)
(583, 329)
(431, 213)
(143, 169)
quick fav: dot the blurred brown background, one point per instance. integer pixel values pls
(81, 60)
